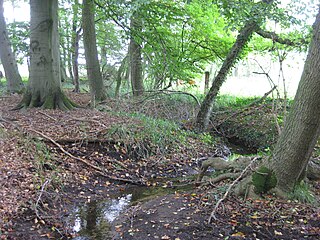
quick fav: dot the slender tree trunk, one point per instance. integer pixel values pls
(44, 87)
(91, 53)
(302, 127)
(75, 39)
(121, 70)
(207, 104)
(14, 81)
(243, 38)
(206, 81)
(135, 58)
(75, 57)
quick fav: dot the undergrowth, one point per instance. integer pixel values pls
(153, 136)
(303, 193)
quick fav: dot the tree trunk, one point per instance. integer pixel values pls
(91, 53)
(75, 56)
(242, 39)
(121, 70)
(44, 87)
(76, 35)
(302, 127)
(14, 81)
(135, 58)
(206, 81)
(207, 104)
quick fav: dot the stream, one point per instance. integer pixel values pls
(93, 220)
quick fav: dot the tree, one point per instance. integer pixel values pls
(291, 155)
(44, 86)
(91, 53)
(76, 35)
(302, 127)
(243, 38)
(136, 58)
(8, 60)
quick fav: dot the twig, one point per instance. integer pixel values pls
(47, 115)
(98, 169)
(40, 195)
(88, 120)
(212, 215)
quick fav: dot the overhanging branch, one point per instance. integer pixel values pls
(278, 39)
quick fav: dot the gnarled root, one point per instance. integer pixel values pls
(54, 100)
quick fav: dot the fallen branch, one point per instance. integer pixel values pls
(165, 91)
(213, 213)
(98, 169)
(246, 107)
(40, 195)
(48, 116)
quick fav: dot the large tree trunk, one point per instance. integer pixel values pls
(91, 53)
(302, 127)
(135, 58)
(14, 81)
(44, 88)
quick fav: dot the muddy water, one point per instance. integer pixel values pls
(93, 220)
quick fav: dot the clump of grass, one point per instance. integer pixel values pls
(153, 136)
(303, 193)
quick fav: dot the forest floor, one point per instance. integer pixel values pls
(53, 161)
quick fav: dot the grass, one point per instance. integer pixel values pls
(303, 193)
(153, 136)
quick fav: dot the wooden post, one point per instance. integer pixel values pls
(206, 81)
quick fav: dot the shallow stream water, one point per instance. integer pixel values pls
(94, 219)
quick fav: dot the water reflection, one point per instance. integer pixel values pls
(93, 221)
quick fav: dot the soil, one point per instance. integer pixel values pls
(51, 161)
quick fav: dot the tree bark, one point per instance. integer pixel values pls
(91, 53)
(76, 35)
(135, 58)
(242, 39)
(207, 104)
(44, 86)
(121, 71)
(302, 127)
(8, 60)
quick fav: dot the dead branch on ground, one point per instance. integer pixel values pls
(39, 197)
(48, 116)
(98, 169)
(242, 174)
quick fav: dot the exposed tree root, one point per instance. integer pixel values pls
(54, 100)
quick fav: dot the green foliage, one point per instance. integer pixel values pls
(19, 36)
(263, 180)
(303, 193)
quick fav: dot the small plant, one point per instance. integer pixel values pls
(207, 138)
(302, 193)
(263, 180)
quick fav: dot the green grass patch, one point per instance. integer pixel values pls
(303, 193)
(152, 136)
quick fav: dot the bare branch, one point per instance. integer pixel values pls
(278, 39)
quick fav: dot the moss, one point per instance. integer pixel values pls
(54, 100)
(263, 180)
